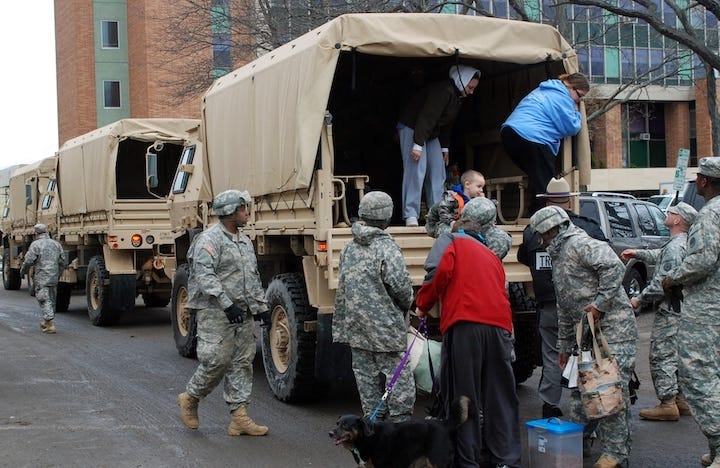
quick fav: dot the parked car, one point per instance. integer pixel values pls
(628, 223)
(691, 197)
(665, 201)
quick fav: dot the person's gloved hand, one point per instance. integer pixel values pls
(264, 318)
(234, 314)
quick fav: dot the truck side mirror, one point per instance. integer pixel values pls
(151, 170)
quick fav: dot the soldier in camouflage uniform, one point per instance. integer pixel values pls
(443, 214)
(663, 342)
(699, 329)
(374, 292)
(480, 221)
(225, 290)
(47, 256)
(587, 276)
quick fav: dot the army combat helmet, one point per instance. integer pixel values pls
(480, 210)
(376, 206)
(225, 203)
(548, 218)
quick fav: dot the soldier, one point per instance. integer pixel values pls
(225, 290)
(478, 217)
(587, 276)
(444, 213)
(48, 258)
(663, 342)
(699, 328)
(532, 253)
(374, 292)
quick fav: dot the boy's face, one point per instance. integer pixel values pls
(475, 187)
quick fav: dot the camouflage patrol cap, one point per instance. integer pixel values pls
(547, 218)
(710, 167)
(685, 211)
(40, 228)
(377, 206)
(479, 210)
(225, 203)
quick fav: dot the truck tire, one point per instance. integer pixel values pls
(31, 281)
(11, 276)
(108, 296)
(633, 282)
(156, 299)
(289, 351)
(527, 336)
(64, 293)
(183, 321)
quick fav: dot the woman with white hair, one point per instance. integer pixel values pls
(424, 129)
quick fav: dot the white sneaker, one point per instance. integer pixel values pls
(706, 460)
(411, 221)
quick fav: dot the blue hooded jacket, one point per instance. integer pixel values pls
(546, 115)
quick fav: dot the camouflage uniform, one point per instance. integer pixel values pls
(374, 291)
(663, 341)
(482, 212)
(224, 272)
(699, 328)
(444, 212)
(587, 271)
(48, 258)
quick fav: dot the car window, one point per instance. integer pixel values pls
(589, 209)
(646, 221)
(659, 217)
(619, 219)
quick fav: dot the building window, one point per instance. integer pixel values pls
(111, 94)
(109, 33)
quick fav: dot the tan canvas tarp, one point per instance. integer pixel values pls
(268, 114)
(86, 173)
(43, 168)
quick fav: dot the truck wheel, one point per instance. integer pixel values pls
(289, 351)
(11, 276)
(527, 336)
(107, 296)
(156, 299)
(183, 322)
(64, 292)
(31, 281)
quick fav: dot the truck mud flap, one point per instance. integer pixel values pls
(332, 360)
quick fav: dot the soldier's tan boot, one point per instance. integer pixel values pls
(189, 410)
(242, 424)
(47, 326)
(667, 410)
(682, 405)
(606, 461)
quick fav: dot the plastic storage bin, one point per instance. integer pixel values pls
(554, 443)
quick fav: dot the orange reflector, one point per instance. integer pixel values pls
(322, 247)
(136, 240)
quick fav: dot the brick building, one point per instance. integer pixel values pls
(111, 64)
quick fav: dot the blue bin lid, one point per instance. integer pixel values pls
(555, 425)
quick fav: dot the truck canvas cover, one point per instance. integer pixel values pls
(87, 164)
(39, 169)
(284, 94)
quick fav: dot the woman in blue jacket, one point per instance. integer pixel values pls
(532, 133)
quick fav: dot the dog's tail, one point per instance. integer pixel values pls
(461, 409)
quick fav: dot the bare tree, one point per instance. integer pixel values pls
(684, 31)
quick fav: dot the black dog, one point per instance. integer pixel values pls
(418, 443)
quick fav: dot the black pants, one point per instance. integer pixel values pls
(476, 363)
(534, 159)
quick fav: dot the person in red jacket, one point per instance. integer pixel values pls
(468, 280)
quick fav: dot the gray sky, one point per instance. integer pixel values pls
(27, 81)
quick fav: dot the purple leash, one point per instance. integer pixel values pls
(422, 328)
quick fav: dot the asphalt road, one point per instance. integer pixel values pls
(105, 397)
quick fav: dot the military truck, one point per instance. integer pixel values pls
(30, 200)
(310, 127)
(104, 195)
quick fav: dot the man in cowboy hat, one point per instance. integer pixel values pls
(532, 253)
